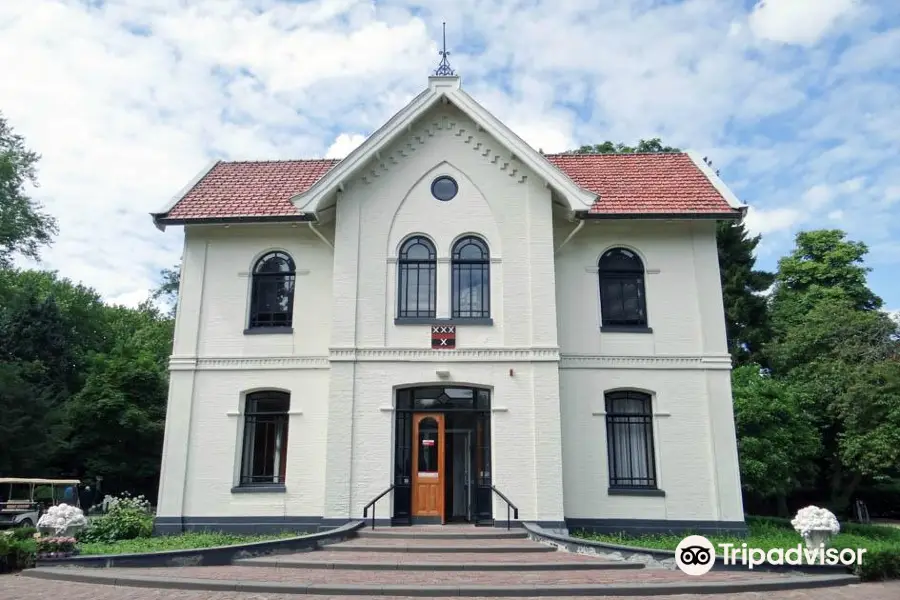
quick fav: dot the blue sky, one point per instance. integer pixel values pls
(795, 101)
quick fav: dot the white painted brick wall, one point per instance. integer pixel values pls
(548, 454)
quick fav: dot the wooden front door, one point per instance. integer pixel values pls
(428, 466)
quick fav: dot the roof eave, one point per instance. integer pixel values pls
(248, 219)
(734, 215)
(716, 182)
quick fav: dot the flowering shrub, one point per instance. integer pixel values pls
(127, 518)
(813, 518)
(46, 545)
(62, 519)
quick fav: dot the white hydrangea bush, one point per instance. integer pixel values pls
(62, 519)
(816, 525)
(126, 500)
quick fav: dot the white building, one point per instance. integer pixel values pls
(447, 313)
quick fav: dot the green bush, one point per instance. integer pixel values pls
(128, 518)
(16, 554)
(23, 533)
(881, 564)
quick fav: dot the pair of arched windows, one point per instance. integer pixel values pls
(622, 300)
(470, 279)
(272, 291)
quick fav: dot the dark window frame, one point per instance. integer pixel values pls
(272, 320)
(407, 266)
(622, 268)
(269, 422)
(459, 266)
(631, 425)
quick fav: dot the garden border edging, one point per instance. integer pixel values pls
(215, 556)
(655, 558)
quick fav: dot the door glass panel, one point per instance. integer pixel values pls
(428, 447)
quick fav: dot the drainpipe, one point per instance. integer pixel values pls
(571, 235)
(312, 227)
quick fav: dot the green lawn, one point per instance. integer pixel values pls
(184, 541)
(767, 533)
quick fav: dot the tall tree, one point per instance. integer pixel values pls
(746, 315)
(24, 226)
(777, 440)
(832, 344)
(743, 287)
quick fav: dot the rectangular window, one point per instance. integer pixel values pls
(264, 460)
(629, 438)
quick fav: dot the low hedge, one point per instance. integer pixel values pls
(17, 552)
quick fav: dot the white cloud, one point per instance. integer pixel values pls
(770, 221)
(818, 196)
(801, 22)
(344, 144)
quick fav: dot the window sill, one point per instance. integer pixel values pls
(635, 492)
(259, 489)
(625, 329)
(435, 321)
(267, 330)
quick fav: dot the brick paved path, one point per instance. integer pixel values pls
(391, 577)
(15, 587)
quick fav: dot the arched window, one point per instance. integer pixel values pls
(417, 266)
(471, 279)
(264, 453)
(629, 440)
(622, 302)
(272, 291)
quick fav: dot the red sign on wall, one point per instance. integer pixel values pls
(443, 337)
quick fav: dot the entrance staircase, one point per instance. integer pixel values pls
(437, 561)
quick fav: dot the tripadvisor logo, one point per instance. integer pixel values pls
(696, 555)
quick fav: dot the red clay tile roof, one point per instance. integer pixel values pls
(250, 189)
(665, 183)
(626, 183)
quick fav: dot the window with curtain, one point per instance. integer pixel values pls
(416, 275)
(629, 438)
(622, 301)
(471, 279)
(264, 456)
(272, 291)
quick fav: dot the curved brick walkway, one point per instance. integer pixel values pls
(16, 587)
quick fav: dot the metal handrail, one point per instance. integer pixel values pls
(372, 504)
(509, 505)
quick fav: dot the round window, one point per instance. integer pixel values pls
(444, 188)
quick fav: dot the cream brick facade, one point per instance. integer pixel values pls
(544, 357)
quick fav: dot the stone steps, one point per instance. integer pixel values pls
(442, 561)
(442, 533)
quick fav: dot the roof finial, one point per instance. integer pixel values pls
(444, 69)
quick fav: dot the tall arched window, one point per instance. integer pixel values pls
(471, 279)
(272, 291)
(622, 302)
(264, 453)
(629, 440)
(416, 266)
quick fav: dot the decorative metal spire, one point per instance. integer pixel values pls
(444, 69)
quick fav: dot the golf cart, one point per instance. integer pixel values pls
(23, 501)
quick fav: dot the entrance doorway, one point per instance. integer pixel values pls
(442, 456)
